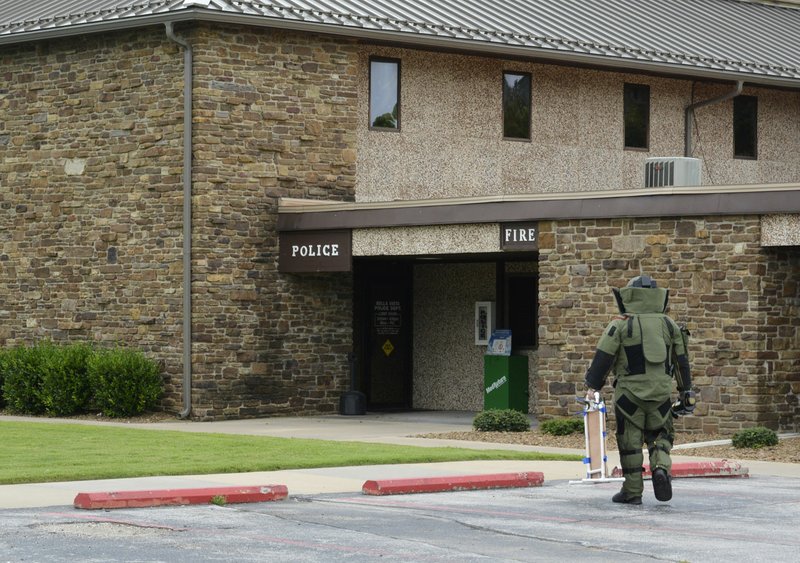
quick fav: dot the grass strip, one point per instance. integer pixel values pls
(44, 452)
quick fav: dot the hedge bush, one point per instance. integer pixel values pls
(505, 420)
(562, 426)
(3, 356)
(73, 379)
(65, 385)
(757, 437)
(3, 359)
(125, 382)
(22, 378)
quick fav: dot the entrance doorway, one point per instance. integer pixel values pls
(383, 333)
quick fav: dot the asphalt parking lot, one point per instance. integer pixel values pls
(708, 519)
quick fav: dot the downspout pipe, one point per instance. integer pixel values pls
(689, 115)
(187, 220)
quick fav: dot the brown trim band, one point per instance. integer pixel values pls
(355, 216)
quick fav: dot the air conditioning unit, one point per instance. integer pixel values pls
(671, 171)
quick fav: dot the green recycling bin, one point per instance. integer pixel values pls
(505, 383)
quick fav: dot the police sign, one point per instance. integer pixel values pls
(315, 251)
(519, 236)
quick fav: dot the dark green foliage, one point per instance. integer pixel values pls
(3, 356)
(73, 379)
(562, 426)
(757, 437)
(506, 420)
(65, 388)
(22, 378)
(388, 120)
(125, 382)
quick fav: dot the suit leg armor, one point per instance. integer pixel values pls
(659, 445)
(630, 437)
(640, 422)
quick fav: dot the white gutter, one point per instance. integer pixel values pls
(187, 220)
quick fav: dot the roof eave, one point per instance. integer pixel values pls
(690, 201)
(22, 37)
(410, 40)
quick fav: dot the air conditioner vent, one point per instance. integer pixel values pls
(671, 172)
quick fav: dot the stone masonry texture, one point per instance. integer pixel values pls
(739, 301)
(91, 197)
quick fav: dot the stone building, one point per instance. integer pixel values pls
(351, 186)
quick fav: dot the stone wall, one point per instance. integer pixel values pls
(91, 195)
(738, 300)
(780, 304)
(275, 117)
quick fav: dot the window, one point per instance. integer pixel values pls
(521, 302)
(516, 105)
(637, 116)
(745, 126)
(384, 94)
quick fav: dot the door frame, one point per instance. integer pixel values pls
(367, 271)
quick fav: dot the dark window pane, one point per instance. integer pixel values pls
(745, 126)
(522, 296)
(384, 94)
(636, 115)
(516, 105)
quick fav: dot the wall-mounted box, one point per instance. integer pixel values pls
(484, 321)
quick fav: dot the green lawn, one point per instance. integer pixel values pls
(34, 452)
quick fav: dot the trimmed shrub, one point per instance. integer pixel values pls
(125, 382)
(757, 437)
(506, 420)
(3, 360)
(22, 379)
(65, 385)
(562, 426)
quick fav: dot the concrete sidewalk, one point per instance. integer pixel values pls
(392, 428)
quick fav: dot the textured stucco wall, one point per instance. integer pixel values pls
(448, 365)
(428, 239)
(780, 230)
(451, 145)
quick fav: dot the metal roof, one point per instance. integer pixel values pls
(727, 39)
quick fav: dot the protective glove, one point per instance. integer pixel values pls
(685, 404)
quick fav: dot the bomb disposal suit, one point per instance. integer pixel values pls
(642, 345)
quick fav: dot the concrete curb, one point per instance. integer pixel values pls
(138, 499)
(460, 483)
(722, 468)
(266, 493)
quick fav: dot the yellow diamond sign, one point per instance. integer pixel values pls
(387, 348)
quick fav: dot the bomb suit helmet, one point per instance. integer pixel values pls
(644, 281)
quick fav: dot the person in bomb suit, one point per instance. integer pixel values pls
(643, 346)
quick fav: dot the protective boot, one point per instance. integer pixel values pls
(662, 486)
(622, 497)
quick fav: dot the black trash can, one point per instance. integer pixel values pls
(352, 402)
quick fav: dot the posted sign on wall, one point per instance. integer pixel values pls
(519, 236)
(315, 251)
